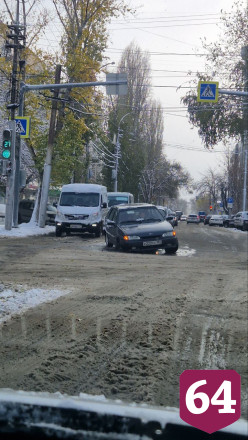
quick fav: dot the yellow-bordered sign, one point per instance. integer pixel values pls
(208, 91)
(23, 126)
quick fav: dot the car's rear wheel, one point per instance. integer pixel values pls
(107, 242)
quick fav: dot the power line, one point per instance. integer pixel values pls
(165, 26)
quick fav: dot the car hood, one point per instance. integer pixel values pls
(146, 228)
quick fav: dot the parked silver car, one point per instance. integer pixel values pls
(216, 220)
(193, 218)
(241, 220)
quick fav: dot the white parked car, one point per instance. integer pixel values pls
(241, 220)
(216, 220)
(183, 218)
(2, 209)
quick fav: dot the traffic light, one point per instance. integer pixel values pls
(6, 150)
(210, 207)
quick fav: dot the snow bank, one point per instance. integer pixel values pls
(13, 302)
(26, 230)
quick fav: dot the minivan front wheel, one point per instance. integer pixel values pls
(58, 231)
(98, 232)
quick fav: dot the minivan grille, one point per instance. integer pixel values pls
(76, 217)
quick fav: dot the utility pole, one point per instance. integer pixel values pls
(244, 55)
(49, 153)
(13, 42)
(10, 177)
(117, 153)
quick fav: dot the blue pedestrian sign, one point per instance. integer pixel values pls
(230, 200)
(207, 91)
(23, 126)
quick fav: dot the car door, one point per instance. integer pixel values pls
(110, 224)
(26, 210)
(237, 219)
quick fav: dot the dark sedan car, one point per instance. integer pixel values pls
(139, 226)
(206, 219)
(26, 208)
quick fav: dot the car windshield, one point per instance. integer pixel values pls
(140, 215)
(86, 199)
(117, 200)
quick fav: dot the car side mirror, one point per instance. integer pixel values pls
(110, 222)
(104, 205)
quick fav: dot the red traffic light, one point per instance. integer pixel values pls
(210, 207)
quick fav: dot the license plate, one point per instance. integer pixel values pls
(76, 226)
(152, 243)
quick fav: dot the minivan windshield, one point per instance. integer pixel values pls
(79, 199)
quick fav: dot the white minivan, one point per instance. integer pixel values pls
(81, 208)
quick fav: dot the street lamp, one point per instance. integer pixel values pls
(108, 64)
(117, 149)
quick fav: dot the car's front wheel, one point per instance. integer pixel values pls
(107, 242)
(171, 251)
(58, 231)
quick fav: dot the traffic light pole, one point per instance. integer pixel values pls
(10, 180)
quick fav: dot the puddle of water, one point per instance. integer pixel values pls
(182, 252)
(186, 252)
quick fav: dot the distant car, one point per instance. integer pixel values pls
(163, 210)
(229, 222)
(241, 220)
(179, 214)
(2, 211)
(172, 218)
(207, 218)
(140, 227)
(119, 198)
(216, 220)
(168, 215)
(183, 218)
(202, 215)
(193, 218)
(26, 208)
(175, 218)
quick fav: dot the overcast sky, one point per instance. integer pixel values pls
(171, 30)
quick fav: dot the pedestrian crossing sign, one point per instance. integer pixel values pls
(207, 91)
(23, 126)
